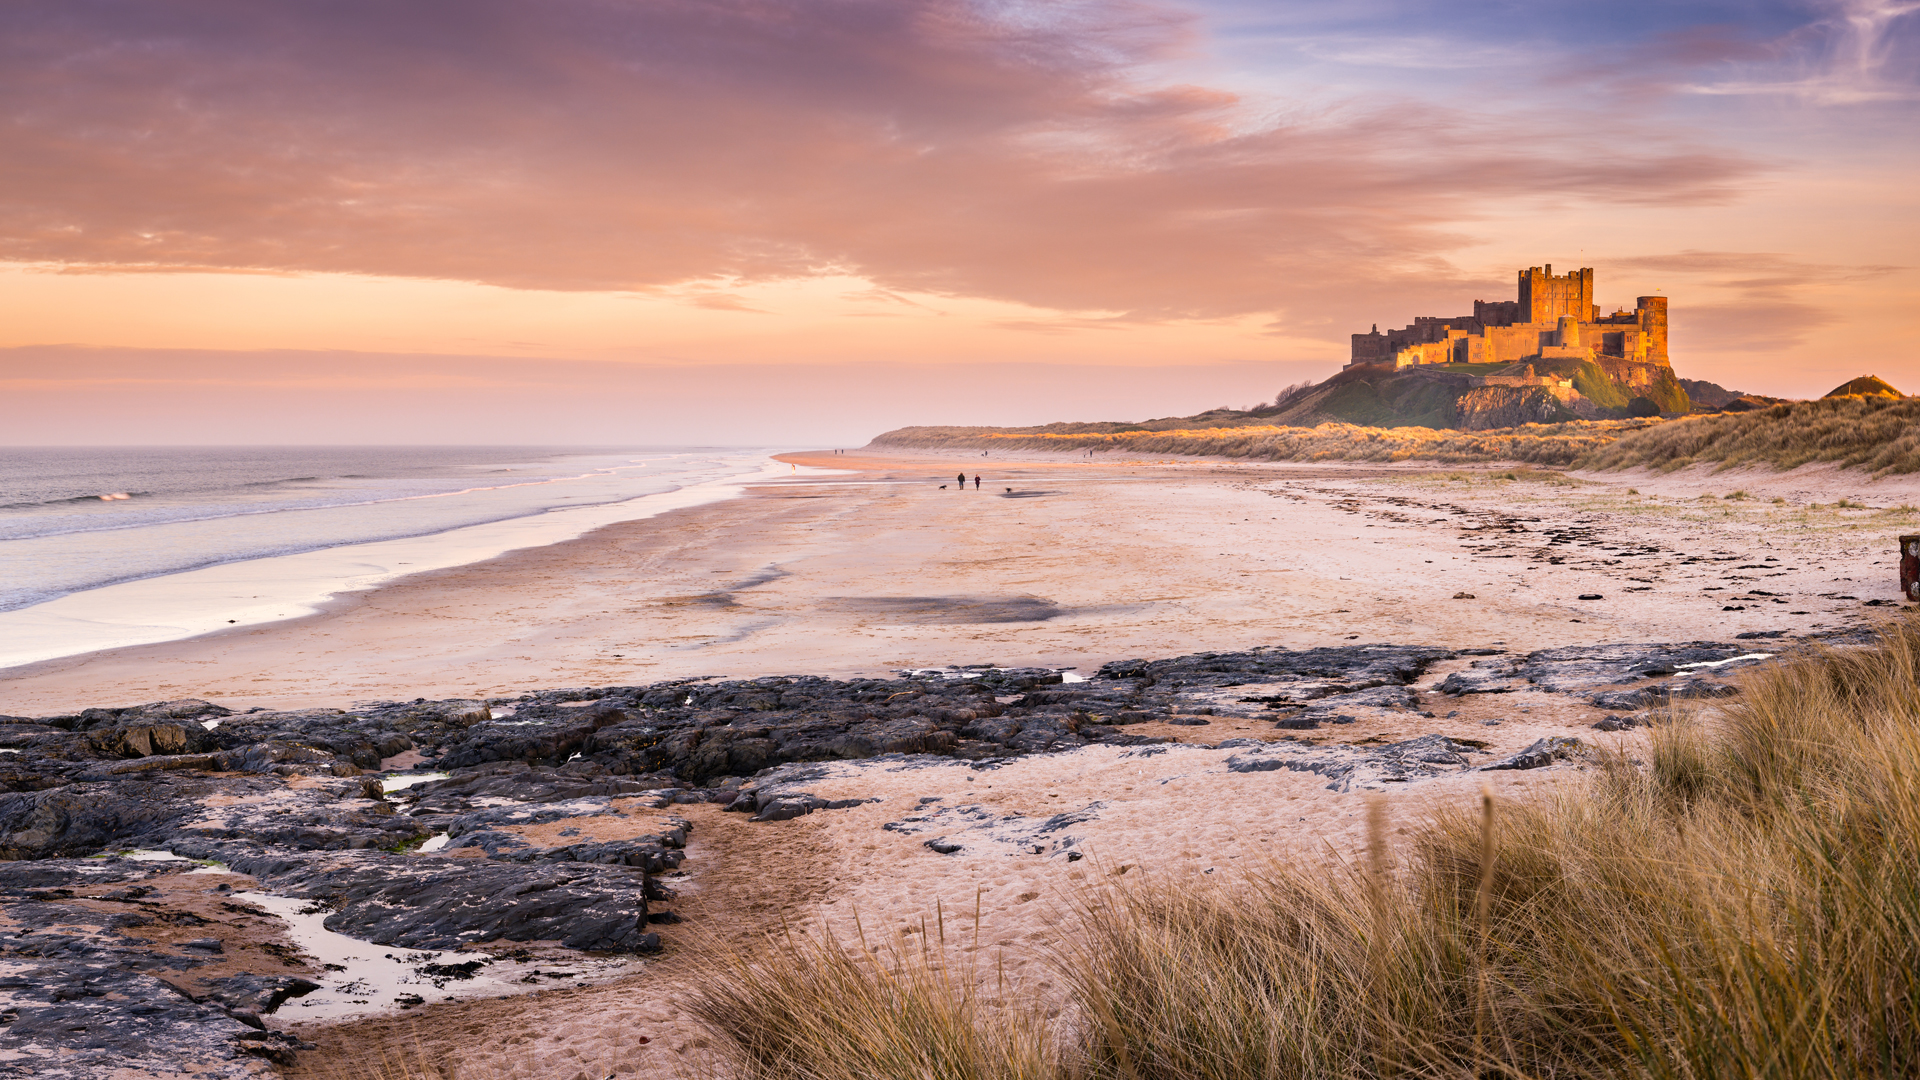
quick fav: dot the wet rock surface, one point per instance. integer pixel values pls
(1593, 671)
(335, 807)
(90, 983)
(1348, 767)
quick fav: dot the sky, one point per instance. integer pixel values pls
(757, 222)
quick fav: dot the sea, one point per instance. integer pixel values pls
(113, 546)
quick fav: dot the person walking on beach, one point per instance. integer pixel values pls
(976, 481)
(963, 481)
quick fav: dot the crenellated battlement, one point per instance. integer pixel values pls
(1554, 318)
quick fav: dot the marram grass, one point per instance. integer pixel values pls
(1876, 434)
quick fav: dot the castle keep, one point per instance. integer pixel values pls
(1554, 319)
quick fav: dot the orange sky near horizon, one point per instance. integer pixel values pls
(743, 221)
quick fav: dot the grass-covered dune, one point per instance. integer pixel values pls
(1538, 444)
(1874, 433)
(1739, 899)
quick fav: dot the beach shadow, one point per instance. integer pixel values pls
(949, 609)
(723, 597)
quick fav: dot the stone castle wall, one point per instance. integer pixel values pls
(1554, 318)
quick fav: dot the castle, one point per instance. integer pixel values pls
(1554, 319)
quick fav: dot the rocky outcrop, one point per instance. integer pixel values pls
(1484, 408)
(84, 992)
(516, 788)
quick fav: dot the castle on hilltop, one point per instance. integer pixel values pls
(1554, 319)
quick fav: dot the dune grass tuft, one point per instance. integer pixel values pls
(813, 1008)
(1741, 902)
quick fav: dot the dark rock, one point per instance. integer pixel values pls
(1357, 667)
(1413, 759)
(143, 739)
(1701, 688)
(1483, 677)
(1542, 753)
(944, 846)
(1579, 668)
(1629, 700)
(446, 903)
(497, 845)
(520, 782)
(80, 819)
(83, 1004)
(257, 742)
(258, 994)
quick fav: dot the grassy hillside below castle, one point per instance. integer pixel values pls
(1873, 431)
(1440, 396)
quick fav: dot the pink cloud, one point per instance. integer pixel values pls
(939, 146)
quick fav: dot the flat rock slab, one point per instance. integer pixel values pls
(1593, 670)
(428, 903)
(1348, 767)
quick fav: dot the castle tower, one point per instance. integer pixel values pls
(1544, 297)
(1653, 327)
(1569, 332)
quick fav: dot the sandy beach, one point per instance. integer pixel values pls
(1048, 563)
(1055, 563)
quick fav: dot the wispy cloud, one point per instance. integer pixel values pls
(1754, 301)
(1861, 51)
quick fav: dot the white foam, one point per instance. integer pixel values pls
(1720, 663)
(257, 591)
(403, 781)
(435, 842)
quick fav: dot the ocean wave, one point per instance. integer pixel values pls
(80, 500)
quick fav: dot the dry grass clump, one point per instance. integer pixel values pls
(1538, 444)
(1745, 903)
(1881, 435)
(813, 1008)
